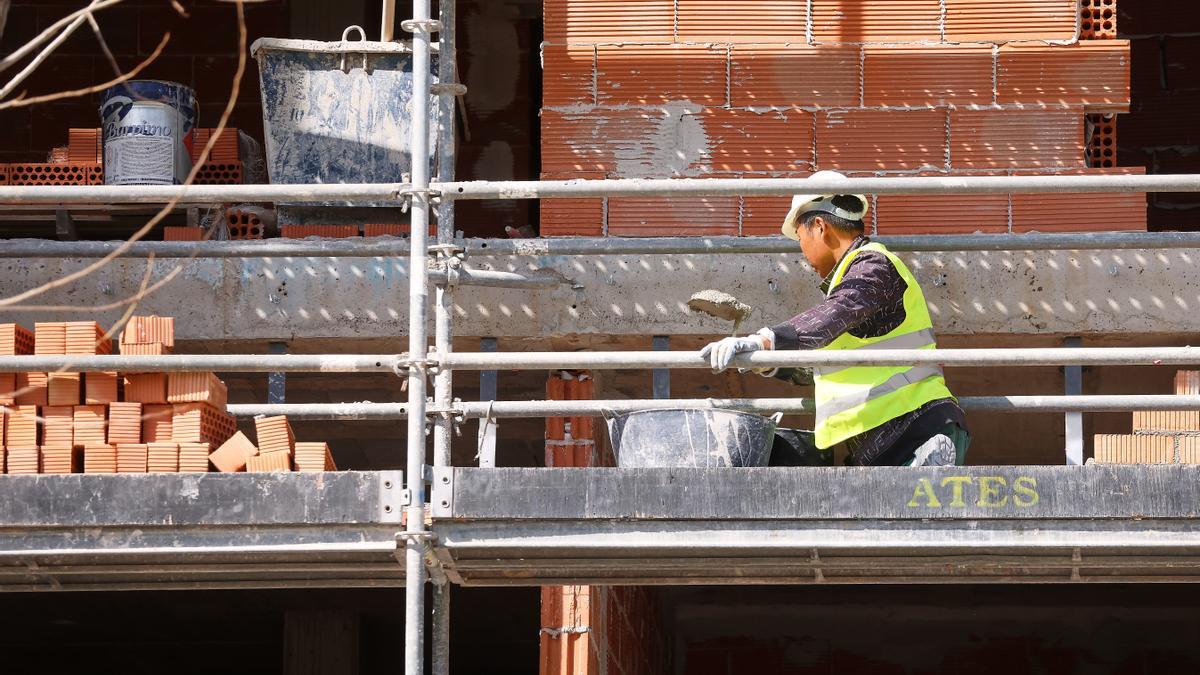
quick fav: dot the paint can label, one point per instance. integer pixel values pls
(147, 133)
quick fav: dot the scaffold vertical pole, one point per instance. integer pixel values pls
(418, 349)
(443, 384)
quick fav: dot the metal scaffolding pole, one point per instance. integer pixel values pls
(590, 246)
(638, 187)
(443, 381)
(1040, 356)
(362, 363)
(595, 408)
(415, 541)
(732, 187)
(202, 194)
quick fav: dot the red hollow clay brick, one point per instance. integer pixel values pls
(1006, 20)
(15, 340)
(55, 174)
(58, 426)
(998, 139)
(1187, 383)
(568, 75)
(99, 458)
(795, 75)
(657, 74)
(1101, 140)
(607, 142)
(1093, 74)
(941, 214)
(734, 21)
(873, 140)
(1098, 19)
(1081, 212)
(233, 453)
(328, 231)
(24, 460)
(855, 21)
(63, 388)
(146, 387)
(572, 217)
(1129, 449)
(269, 461)
(100, 387)
(771, 142)
(672, 216)
(928, 75)
(182, 233)
(219, 173)
(60, 459)
(591, 21)
(156, 422)
(1165, 420)
(142, 329)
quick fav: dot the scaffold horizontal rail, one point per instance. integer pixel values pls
(520, 409)
(911, 185)
(628, 360)
(1045, 356)
(641, 187)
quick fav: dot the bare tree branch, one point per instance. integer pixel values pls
(231, 102)
(27, 48)
(21, 102)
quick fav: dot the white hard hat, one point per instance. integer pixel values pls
(802, 204)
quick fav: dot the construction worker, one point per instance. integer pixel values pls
(886, 415)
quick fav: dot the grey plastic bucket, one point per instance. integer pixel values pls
(690, 437)
(339, 112)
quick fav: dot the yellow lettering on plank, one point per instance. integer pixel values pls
(924, 490)
(1025, 492)
(989, 490)
(956, 496)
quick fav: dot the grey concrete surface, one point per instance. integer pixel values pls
(1017, 293)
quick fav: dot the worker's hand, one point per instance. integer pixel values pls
(720, 353)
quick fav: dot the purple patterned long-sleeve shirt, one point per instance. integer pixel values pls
(869, 302)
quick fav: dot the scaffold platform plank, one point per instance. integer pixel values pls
(804, 525)
(178, 531)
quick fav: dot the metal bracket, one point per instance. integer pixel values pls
(392, 498)
(451, 250)
(448, 89)
(427, 25)
(442, 493)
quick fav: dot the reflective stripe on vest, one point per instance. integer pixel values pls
(896, 382)
(921, 339)
(855, 399)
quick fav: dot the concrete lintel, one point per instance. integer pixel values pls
(1132, 292)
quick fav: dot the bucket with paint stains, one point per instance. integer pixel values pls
(339, 112)
(705, 438)
(147, 132)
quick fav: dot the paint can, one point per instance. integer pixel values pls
(147, 130)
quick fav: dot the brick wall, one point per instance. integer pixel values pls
(698, 88)
(593, 630)
(202, 53)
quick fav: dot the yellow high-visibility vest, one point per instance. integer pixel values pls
(856, 399)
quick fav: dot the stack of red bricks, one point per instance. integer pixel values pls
(570, 441)
(108, 422)
(129, 422)
(277, 450)
(782, 88)
(1159, 436)
(80, 162)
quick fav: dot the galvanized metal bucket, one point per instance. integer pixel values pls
(339, 112)
(691, 437)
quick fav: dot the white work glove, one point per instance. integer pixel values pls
(720, 353)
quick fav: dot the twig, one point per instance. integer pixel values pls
(42, 56)
(22, 102)
(27, 48)
(235, 87)
(112, 60)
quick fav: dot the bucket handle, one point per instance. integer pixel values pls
(777, 418)
(362, 37)
(609, 415)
